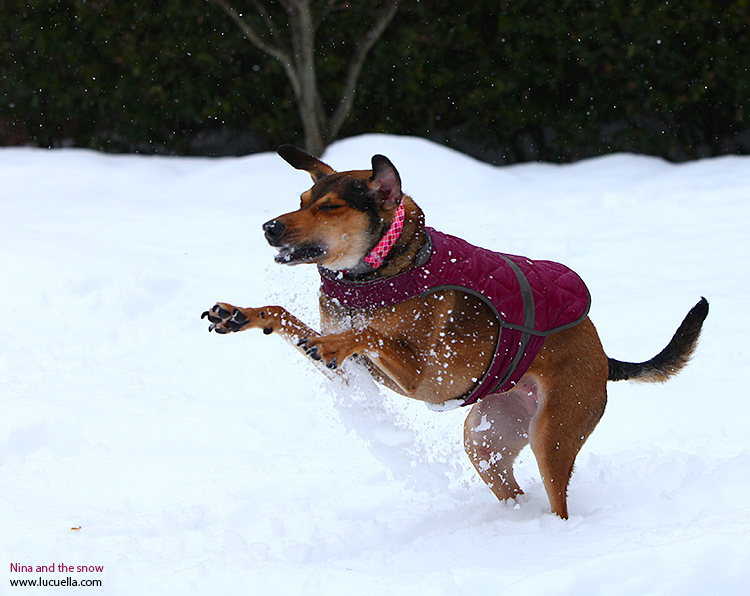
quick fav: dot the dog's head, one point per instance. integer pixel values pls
(340, 218)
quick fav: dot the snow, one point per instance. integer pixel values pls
(203, 464)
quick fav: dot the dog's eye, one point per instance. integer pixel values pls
(329, 207)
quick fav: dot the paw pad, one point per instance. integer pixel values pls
(222, 321)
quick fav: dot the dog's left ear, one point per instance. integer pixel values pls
(301, 160)
(385, 182)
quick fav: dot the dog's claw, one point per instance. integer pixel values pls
(302, 343)
(211, 317)
(313, 353)
(332, 364)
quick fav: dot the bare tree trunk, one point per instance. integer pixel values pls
(298, 61)
(309, 102)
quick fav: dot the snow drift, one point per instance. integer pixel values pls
(186, 463)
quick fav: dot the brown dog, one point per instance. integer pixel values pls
(440, 341)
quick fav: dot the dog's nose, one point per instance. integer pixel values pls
(274, 230)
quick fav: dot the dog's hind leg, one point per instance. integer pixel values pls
(495, 431)
(571, 371)
(556, 439)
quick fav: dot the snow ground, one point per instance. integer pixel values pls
(200, 464)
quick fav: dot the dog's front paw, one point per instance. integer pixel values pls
(225, 318)
(331, 349)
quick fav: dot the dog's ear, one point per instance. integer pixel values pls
(385, 182)
(300, 160)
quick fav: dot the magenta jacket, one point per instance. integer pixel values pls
(530, 299)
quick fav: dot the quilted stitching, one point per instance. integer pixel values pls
(561, 298)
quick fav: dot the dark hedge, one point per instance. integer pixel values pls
(506, 81)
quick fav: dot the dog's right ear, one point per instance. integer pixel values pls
(300, 160)
(385, 182)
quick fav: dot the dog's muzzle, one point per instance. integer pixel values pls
(289, 254)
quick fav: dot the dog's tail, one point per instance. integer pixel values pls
(671, 359)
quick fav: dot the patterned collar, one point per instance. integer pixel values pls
(385, 244)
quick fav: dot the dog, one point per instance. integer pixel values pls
(426, 314)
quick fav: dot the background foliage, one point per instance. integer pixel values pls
(504, 80)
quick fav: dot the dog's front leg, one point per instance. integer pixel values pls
(225, 318)
(395, 358)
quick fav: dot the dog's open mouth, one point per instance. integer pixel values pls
(295, 255)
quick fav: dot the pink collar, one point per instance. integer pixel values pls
(383, 247)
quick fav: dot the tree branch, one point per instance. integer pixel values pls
(383, 19)
(266, 16)
(291, 5)
(252, 35)
(298, 59)
(327, 9)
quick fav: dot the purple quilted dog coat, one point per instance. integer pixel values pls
(530, 299)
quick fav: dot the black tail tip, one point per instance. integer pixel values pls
(700, 310)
